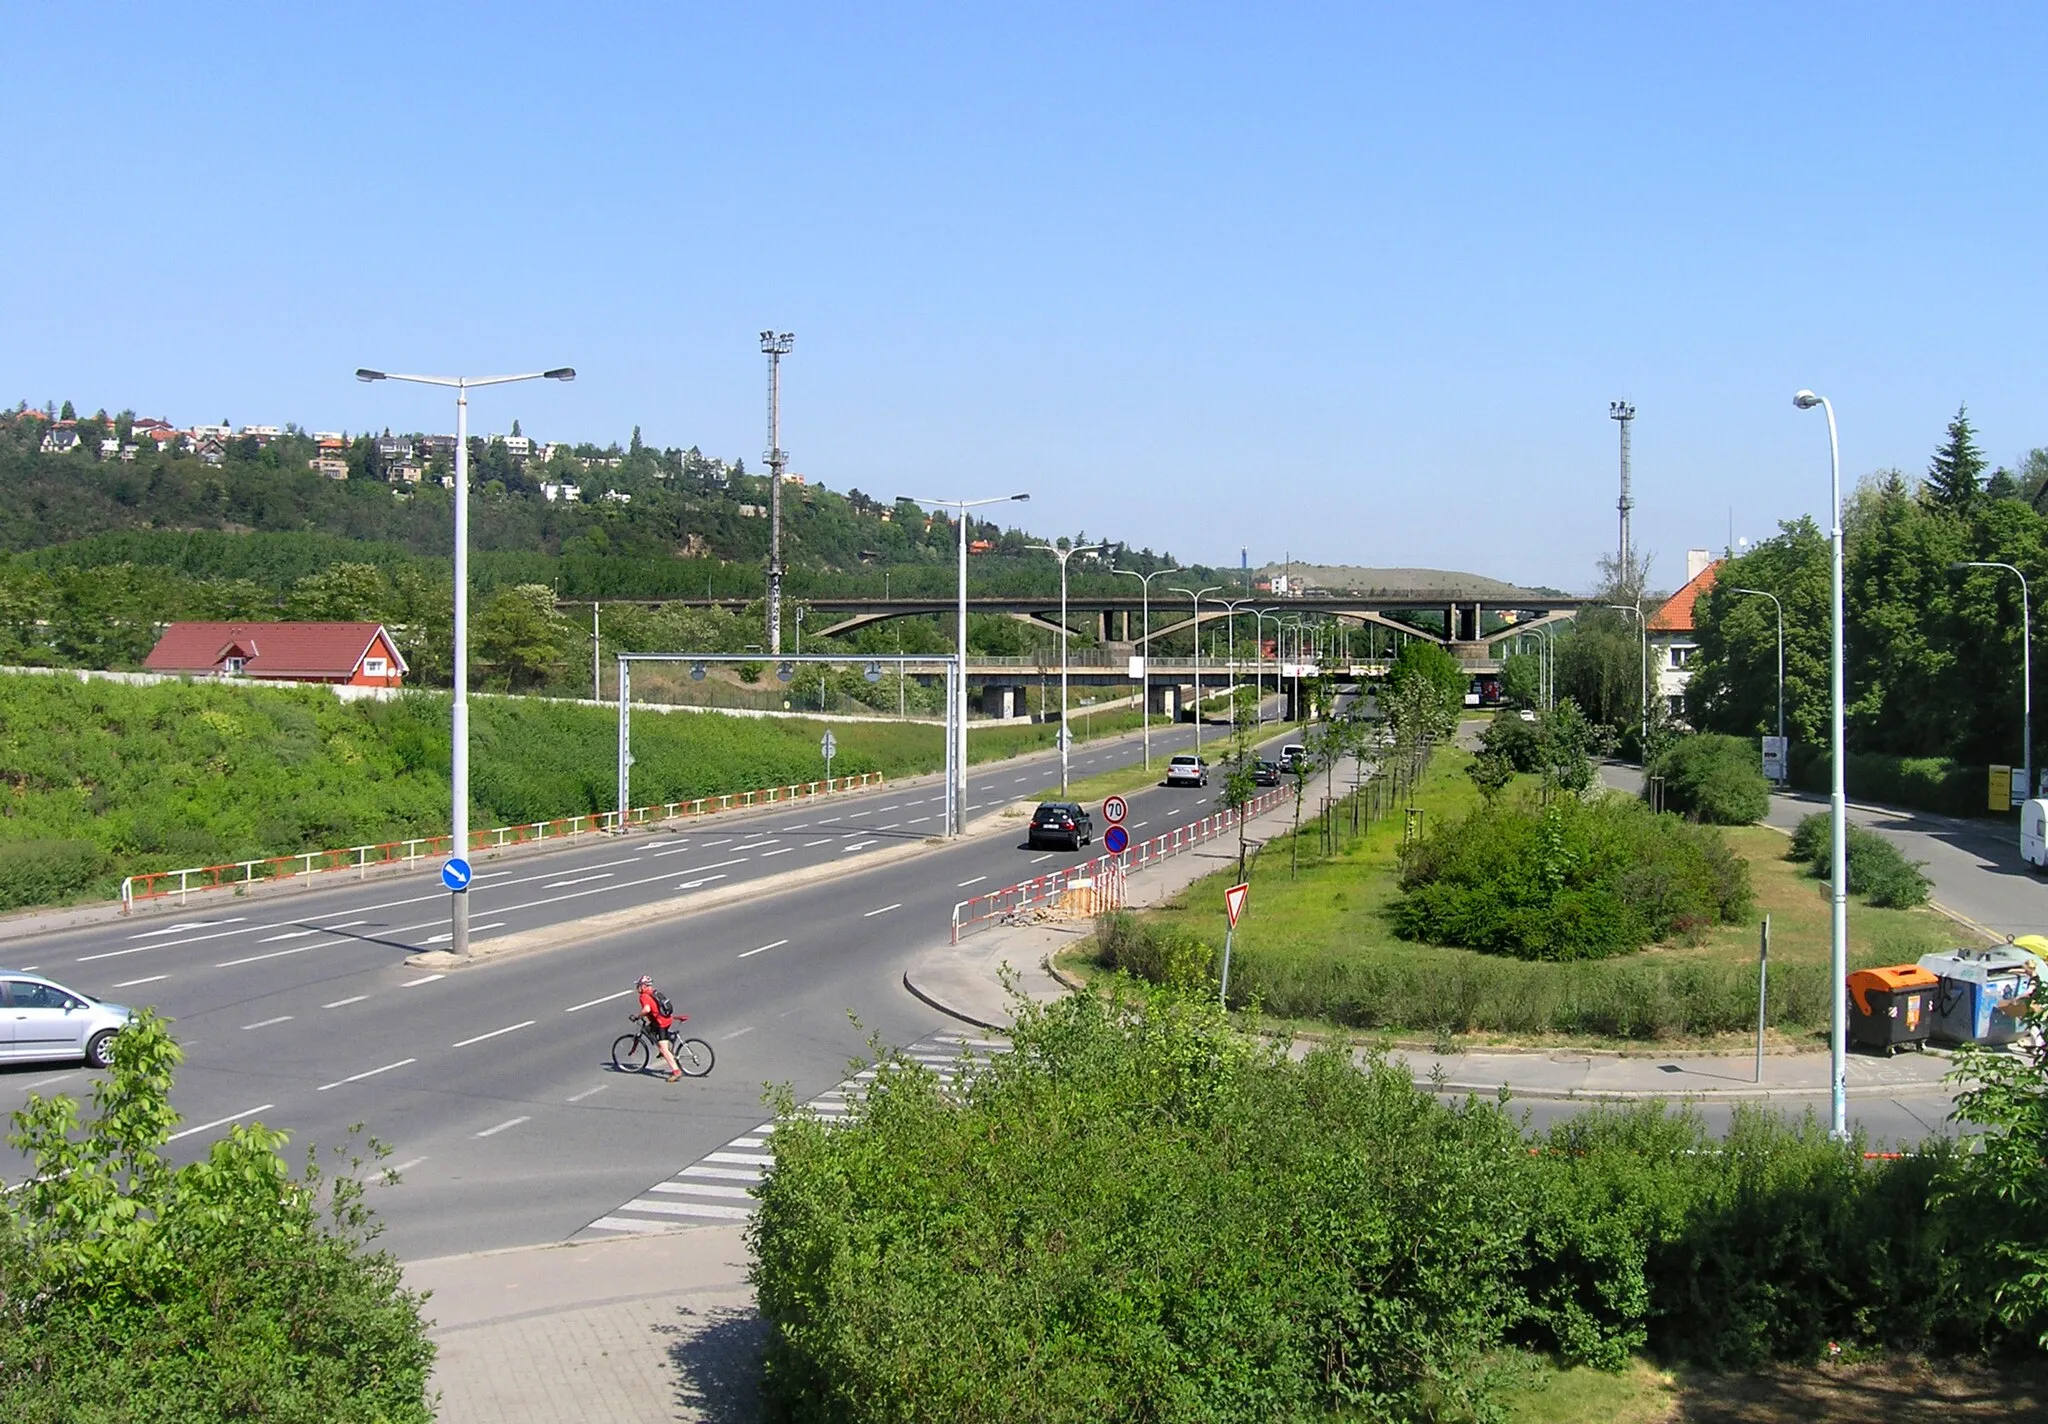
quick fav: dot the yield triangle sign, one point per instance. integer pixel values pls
(1233, 901)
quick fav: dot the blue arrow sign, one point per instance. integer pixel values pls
(1116, 840)
(455, 873)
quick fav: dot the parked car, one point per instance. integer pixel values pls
(41, 1019)
(1187, 770)
(1293, 757)
(1265, 773)
(1062, 821)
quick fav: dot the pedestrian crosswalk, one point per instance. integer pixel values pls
(718, 1188)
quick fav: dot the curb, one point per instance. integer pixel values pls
(1636, 1095)
(931, 1000)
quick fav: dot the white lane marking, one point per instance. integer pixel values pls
(1036, 858)
(880, 809)
(358, 1077)
(297, 934)
(509, 1122)
(423, 979)
(622, 1223)
(750, 953)
(784, 851)
(828, 820)
(587, 1093)
(701, 881)
(405, 1166)
(676, 849)
(857, 845)
(914, 820)
(473, 929)
(706, 1210)
(700, 869)
(975, 881)
(512, 1028)
(728, 1037)
(292, 934)
(748, 1159)
(589, 1003)
(167, 944)
(258, 958)
(726, 841)
(30, 968)
(185, 926)
(152, 979)
(890, 827)
(578, 880)
(45, 1082)
(344, 1003)
(1019, 779)
(221, 1121)
(700, 1189)
(870, 914)
(822, 840)
(266, 1023)
(1141, 825)
(756, 845)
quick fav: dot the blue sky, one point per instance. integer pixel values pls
(1354, 283)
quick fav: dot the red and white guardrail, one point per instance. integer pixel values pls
(362, 859)
(970, 915)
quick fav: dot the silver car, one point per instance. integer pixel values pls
(41, 1019)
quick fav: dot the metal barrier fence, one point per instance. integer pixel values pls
(362, 859)
(1105, 870)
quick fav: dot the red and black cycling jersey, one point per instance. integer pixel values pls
(651, 1011)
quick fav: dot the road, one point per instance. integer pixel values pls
(491, 1084)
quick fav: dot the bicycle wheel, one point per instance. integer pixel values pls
(629, 1053)
(693, 1056)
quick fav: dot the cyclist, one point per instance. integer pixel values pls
(659, 1017)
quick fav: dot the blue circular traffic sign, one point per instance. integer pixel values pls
(1116, 840)
(455, 873)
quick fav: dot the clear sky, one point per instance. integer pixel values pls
(1350, 282)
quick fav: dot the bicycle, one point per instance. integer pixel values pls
(632, 1052)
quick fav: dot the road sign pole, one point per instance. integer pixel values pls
(1223, 994)
(1233, 906)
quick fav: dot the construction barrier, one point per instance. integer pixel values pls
(362, 859)
(1097, 885)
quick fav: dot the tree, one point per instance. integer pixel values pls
(1734, 684)
(1521, 679)
(1430, 665)
(1955, 477)
(71, 413)
(520, 638)
(340, 593)
(1240, 788)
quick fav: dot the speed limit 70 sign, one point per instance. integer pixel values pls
(1114, 810)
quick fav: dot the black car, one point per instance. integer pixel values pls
(1265, 773)
(1062, 822)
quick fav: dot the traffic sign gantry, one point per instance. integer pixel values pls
(1116, 840)
(455, 873)
(1114, 810)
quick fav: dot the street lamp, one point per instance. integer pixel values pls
(1063, 555)
(1838, 799)
(1259, 617)
(1644, 624)
(458, 902)
(2026, 664)
(1231, 605)
(1765, 593)
(1198, 594)
(1145, 688)
(956, 725)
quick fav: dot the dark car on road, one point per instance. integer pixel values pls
(1265, 773)
(1061, 822)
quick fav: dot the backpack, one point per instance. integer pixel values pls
(662, 1006)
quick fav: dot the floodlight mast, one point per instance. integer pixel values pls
(775, 345)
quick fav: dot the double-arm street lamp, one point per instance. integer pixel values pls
(2026, 665)
(1259, 619)
(1765, 593)
(1064, 554)
(458, 903)
(1230, 606)
(1197, 595)
(956, 716)
(1644, 624)
(1838, 798)
(1145, 687)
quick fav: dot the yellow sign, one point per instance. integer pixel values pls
(2001, 788)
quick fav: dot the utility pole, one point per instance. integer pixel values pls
(775, 346)
(1622, 412)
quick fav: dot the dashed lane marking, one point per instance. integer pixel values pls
(870, 914)
(152, 979)
(592, 1003)
(509, 1028)
(587, 1093)
(975, 881)
(357, 1077)
(221, 1121)
(509, 1122)
(344, 1003)
(423, 979)
(266, 1023)
(750, 953)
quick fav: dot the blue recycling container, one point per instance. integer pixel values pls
(1982, 993)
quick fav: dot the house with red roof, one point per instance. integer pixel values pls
(356, 654)
(1673, 640)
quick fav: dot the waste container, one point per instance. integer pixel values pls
(1982, 993)
(1892, 1007)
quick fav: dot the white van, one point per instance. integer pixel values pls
(2034, 833)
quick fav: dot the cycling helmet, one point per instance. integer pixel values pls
(646, 982)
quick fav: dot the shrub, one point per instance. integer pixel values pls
(1878, 869)
(46, 872)
(1575, 880)
(1713, 778)
(1939, 784)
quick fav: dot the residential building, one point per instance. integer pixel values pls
(210, 432)
(429, 446)
(394, 449)
(566, 493)
(612, 496)
(406, 472)
(332, 466)
(1673, 642)
(519, 447)
(358, 654)
(752, 511)
(261, 434)
(60, 442)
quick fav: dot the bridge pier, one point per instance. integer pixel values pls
(1165, 699)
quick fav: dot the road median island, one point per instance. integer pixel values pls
(633, 917)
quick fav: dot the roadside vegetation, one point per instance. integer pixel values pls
(231, 1288)
(1143, 1212)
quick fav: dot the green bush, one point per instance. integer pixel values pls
(46, 872)
(1713, 778)
(1939, 784)
(1574, 880)
(1878, 869)
(226, 1289)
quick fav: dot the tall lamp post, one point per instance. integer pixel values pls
(1838, 798)
(1259, 619)
(1644, 624)
(1765, 593)
(1063, 555)
(2026, 664)
(1230, 606)
(956, 715)
(458, 900)
(1197, 595)
(1145, 687)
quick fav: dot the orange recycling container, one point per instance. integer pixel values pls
(1892, 1007)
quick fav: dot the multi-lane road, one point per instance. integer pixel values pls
(491, 1084)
